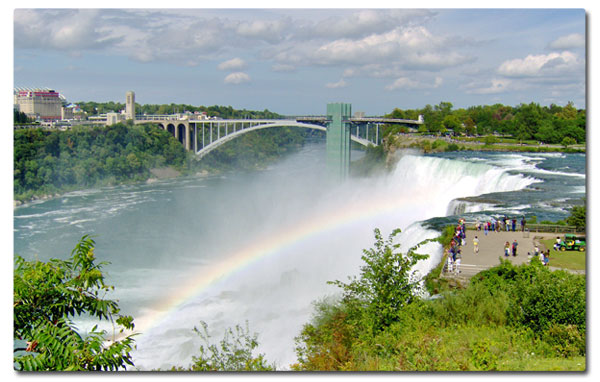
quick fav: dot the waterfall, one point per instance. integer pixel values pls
(328, 231)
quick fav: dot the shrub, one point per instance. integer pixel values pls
(234, 352)
(566, 340)
(386, 283)
(47, 296)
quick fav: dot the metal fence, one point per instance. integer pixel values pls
(551, 228)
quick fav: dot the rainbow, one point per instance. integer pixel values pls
(270, 245)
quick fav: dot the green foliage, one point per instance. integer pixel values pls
(46, 298)
(489, 140)
(538, 298)
(483, 357)
(508, 318)
(233, 353)
(566, 340)
(523, 122)
(373, 161)
(386, 283)
(94, 108)
(568, 141)
(51, 161)
(19, 117)
(257, 148)
(577, 217)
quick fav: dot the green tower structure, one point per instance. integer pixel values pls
(338, 140)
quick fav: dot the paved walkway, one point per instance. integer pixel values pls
(491, 249)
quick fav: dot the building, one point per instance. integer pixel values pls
(130, 105)
(66, 112)
(41, 104)
(113, 118)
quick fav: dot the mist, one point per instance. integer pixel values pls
(255, 247)
(331, 223)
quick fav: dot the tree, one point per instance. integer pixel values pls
(20, 117)
(47, 296)
(451, 122)
(577, 217)
(470, 127)
(386, 283)
(568, 141)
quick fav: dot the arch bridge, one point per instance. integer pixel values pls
(204, 135)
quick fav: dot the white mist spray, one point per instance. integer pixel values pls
(275, 293)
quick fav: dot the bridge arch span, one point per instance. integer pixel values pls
(219, 142)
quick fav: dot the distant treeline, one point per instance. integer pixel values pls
(226, 112)
(548, 124)
(46, 162)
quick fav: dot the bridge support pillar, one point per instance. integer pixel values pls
(187, 137)
(338, 140)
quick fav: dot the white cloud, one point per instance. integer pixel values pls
(374, 47)
(403, 83)
(539, 65)
(496, 85)
(405, 48)
(411, 83)
(572, 41)
(233, 64)
(366, 22)
(64, 30)
(269, 31)
(336, 85)
(237, 78)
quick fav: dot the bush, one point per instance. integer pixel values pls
(566, 340)
(386, 283)
(539, 298)
(234, 352)
(46, 298)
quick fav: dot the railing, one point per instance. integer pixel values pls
(556, 228)
(529, 227)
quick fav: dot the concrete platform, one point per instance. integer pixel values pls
(491, 250)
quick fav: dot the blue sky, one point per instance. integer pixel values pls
(294, 61)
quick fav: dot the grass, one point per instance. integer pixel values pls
(573, 260)
(463, 347)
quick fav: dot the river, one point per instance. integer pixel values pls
(259, 247)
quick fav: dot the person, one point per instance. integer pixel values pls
(540, 255)
(450, 262)
(514, 225)
(514, 247)
(457, 261)
(477, 225)
(493, 224)
(547, 257)
(485, 228)
(523, 223)
(557, 244)
(506, 249)
(476, 245)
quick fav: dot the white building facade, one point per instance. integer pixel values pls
(44, 104)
